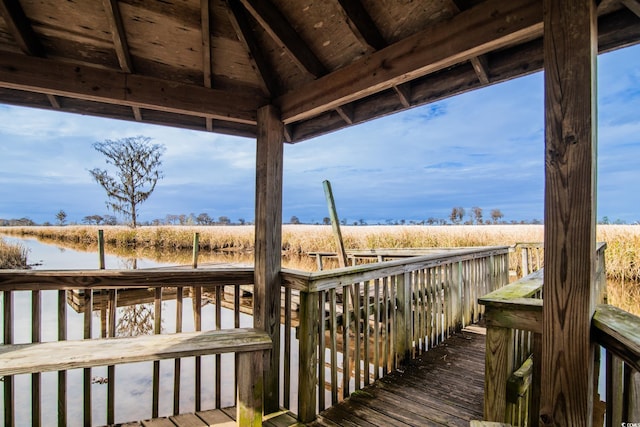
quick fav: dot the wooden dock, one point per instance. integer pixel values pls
(444, 386)
(214, 418)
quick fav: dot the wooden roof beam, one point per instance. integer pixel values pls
(20, 28)
(115, 87)
(362, 25)
(240, 22)
(632, 5)
(489, 26)
(281, 31)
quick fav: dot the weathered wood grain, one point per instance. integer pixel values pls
(28, 358)
(570, 46)
(268, 243)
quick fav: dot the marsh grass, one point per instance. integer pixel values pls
(622, 254)
(12, 256)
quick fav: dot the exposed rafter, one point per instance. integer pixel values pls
(490, 25)
(120, 45)
(481, 67)
(632, 5)
(362, 25)
(54, 101)
(281, 31)
(240, 21)
(480, 63)
(205, 21)
(20, 28)
(118, 35)
(346, 112)
(114, 87)
(404, 93)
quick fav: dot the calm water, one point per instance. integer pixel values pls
(133, 381)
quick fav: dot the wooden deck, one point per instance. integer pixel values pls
(217, 417)
(444, 386)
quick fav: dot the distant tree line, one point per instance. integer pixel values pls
(458, 215)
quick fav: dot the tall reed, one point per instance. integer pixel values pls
(12, 256)
(622, 255)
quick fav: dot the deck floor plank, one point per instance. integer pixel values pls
(444, 386)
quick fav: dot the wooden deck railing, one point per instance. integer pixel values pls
(353, 325)
(369, 319)
(105, 291)
(513, 317)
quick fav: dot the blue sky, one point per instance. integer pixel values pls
(483, 148)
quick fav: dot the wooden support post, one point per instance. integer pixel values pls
(268, 245)
(250, 389)
(335, 224)
(308, 357)
(498, 367)
(570, 45)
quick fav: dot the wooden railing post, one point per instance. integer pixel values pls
(498, 367)
(403, 318)
(308, 357)
(525, 261)
(250, 388)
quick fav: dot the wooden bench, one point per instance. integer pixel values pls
(248, 344)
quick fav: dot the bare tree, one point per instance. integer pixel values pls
(496, 215)
(137, 164)
(457, 214)
(477, 213)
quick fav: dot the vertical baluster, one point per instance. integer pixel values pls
(88, 308)
(437, 309)
(415, 310)
(62, 375)
(393, 299)
(7, 298)
(177, 362)
(287, 348)
(365, 333)
(429, 309)
(334, 347)
(197, 321)
(157, 318)
(308, 356)
(376, 329)
(321, 349)
(219, 356)
(387, 327)
(36, 315)
(346, 369)
(111, 370)
(357, 335)
(614, 392)
(447, 299)
(236, 324)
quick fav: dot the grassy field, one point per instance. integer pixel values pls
(12, 256)
(623, 241)
(173, 244)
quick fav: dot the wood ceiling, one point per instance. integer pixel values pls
(326, 64)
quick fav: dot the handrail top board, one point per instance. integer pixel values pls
(329, 279)
(11, 280)
(523, 288)
(619, 332)
(64, 355)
